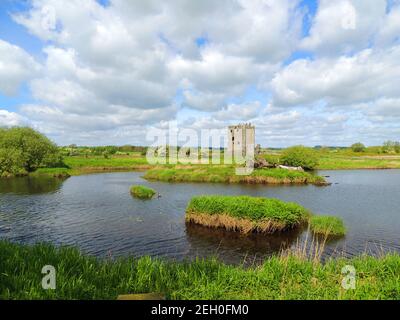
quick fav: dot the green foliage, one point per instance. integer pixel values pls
(142, 192)
(300, 156)
(24, 150)
(391, 146)
(272, 159)
(253, 208)
(74, 150)
(358, 147)
(11, 162)
(327, 225)
(278, 278)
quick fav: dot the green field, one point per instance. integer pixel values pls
(281, 277)
(328, 160)
(336, 162)
(77, 165)
(345, 158)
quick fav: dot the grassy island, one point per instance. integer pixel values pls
(327, 225)
(245, 214)
(227, 174)
(142, 192)
(280, 277)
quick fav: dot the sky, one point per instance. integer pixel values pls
(311, 72)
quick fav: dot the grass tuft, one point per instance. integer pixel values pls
(327, 225)
(142, 192)
(245, 214)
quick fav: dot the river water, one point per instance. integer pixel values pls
(98, 214)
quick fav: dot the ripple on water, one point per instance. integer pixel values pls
(98, 214)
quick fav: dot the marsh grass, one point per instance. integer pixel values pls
(227, 174)
(327, 225)
(142, 192)
(280, 277)
(245, 214)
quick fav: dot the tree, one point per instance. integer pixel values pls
(397, 147)
(300, 156)
(358, 147)
(24, 150)
(391, 146)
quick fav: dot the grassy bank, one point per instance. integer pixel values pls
(328, 160)
(142, 192)
(349, 162)
(346, 159)
(327, 225)
(78, 165)
(84, 277)
(245, 214)
(227, 174)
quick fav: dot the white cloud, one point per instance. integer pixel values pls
(390, 30)
(16, 66)
(111, 71)
(11, 119)
(240, 112)
(343, 26)
(365, 76)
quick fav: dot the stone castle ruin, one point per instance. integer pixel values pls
(241, 139)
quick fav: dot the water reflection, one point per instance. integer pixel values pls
(31, 185)
(98, 214)
(236, 247)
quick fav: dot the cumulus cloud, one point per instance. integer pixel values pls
(344, 26)
(113, 70)
(365, 76)
(11, 119)
(240, 112)
(16, 66)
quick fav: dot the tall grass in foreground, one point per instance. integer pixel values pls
(85, 277)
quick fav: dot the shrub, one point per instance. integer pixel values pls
(327, 225)
(300, 156)
(25, 150)
(358, 147)
(142, 192)
(272, 159)
(391, 146)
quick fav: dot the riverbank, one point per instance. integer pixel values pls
(227, 174)
(346, 159)
(359, 162)
(79, 165)
(281, 277)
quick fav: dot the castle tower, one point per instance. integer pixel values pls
(241, 138)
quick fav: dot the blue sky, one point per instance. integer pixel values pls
(304, 72)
